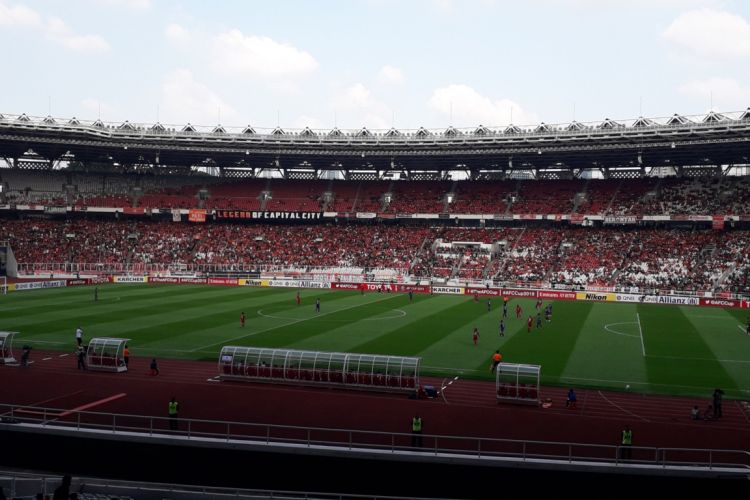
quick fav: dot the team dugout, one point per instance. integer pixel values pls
(518, 383)
(362, 371)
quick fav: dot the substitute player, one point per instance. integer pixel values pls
(475, 335)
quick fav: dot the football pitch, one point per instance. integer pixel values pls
(652, 348)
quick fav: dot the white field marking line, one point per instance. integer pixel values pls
(44, 342)
(46, 359)
(742, 329)
(63, 355)
(703, 359)
(621, 408)
(290, 324)
(712, 316)
(616, 332)
(401, 315)
(641, 383)
(643, 346)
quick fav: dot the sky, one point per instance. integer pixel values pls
(372, 63)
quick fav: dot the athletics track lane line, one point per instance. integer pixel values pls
(77, 408)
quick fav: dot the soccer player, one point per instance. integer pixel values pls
(298, 299)
(548, 313)
(411, 296)
(505, 309)
(242, 319)
(79, 336)
(317, 305)
(529, 323)
(96, 294)
(519, 311)
(502, 328)
(475, 335)
(476, 297)
(539, 320)
(538, 304)
(747, 328)
(489, 305)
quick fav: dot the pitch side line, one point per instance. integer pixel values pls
(290, 324)
(621, 408)
(640, 331)
(743, 330)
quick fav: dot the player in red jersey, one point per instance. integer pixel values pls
(529, 323)
(242, 320)
(299, 300)
(475, 335)
(519, 311)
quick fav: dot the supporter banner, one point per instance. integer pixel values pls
(451, 290)
(78, 282)
(484, 292)
(527, 216)
(603, 297)
(387, 216)
(556, 295)
(223, 281)
(692, 218)
(287, 215)
(36, 285)
(404, 216)
(720, 303)
(130, 279)
(366, 215)
(176, 215)
(347, 286)
(620, 219)
(164, 279)
(55, 210)
(197, 215)
(412, 288)
(133, 210)
(519, 292)
(576, 218)
(502, 216)
(718, 222)
(80, 208)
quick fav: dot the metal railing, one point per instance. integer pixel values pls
(469, 447)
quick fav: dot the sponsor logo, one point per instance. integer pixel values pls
(193, 281)
(163, 280)
(680, 301)
(77, 282)
(99, 280)
(346, 286)
(413, 288)
(245, 282)
(489, 292)
(602, 297)
(513, 292)
(36, 285)
(130, 279)
(720, 303)
(620, 219)
(453, 290)
(546, 294)
(222, 281)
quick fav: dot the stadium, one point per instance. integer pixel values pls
(364, 309)
(647, 268)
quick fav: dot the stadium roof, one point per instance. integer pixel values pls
(711, 139)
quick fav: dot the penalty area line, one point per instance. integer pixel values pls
(640, 331)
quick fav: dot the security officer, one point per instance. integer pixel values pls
(416, 431)
(174, 409)
(627, 442)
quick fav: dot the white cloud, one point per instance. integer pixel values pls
(186, 100)
(53, 28)
(361, 109)
(389, 74)
(471, 108)
(710, 33)
(308, 121)
(727, 94)
(130, 4)
(59, 32)
(18, 15)
(176, 34)
(260, 56)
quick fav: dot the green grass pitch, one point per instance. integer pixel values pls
(652, 348)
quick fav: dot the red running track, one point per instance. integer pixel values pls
(469, 408)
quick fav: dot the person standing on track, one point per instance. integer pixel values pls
(79, 336)
(126, 355)
(173, 410)
(81, 357)
(154, 367)
(627, 443)
(718, 393)
(242, 320)
(475, 335)
(416, 431)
